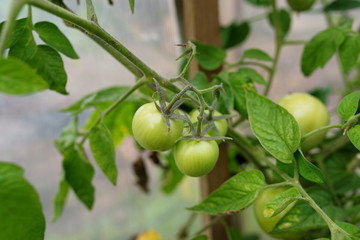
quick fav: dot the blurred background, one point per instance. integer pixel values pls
(30, 124)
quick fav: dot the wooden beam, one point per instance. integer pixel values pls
(201, 21)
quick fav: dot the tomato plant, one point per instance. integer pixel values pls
(310, 113)
(150, 130)
(298, 192)
(196, 158)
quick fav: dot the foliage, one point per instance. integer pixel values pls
(322, 196)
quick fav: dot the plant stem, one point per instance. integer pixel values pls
(320, 130)
(9, 24)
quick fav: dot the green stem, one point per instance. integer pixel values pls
(331, 224)
(91, 14)
(9, 24)
(320, 130)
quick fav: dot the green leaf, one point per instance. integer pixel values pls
(50, 66)
(342, 5)
(308, 170)
(257, 54)
(276, 129)
(209, 57)
(349, 52)
(18, 79)
(233, 234)
(282, 201)
(260, 2)
(68, 135)
(338, 175)
(106, 95)
(20, 209)
(351, 229)
(119, 121)
(302, 217)
(132, 5)
(21, 25)
(285, 21)
(320, 49)
(51, 35)
(322, 93)
(234, 34)
(200, 81)
(354, 136)
(226, 101)
(235, 195)
(243, 77)
(79, 174)
(172, 177)
(103, 149)
(60, 199)
(349, 105)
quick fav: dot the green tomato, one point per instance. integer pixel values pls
(196, 158)
(221, 125)
(301, 5)
(150, 130)
(310, 113)
(268, 224)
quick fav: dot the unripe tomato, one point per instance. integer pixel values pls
(150, 130)
(301, 5)
(196, 158)
(310, 113)
(221, 125)
(268, 224)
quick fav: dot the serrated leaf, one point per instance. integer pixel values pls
(308, 170)
(20, 209)
(349, 105)
(235, 195)
(282, 201)
(342, 5)
(354, 136)
(79, 174)
(349, 52)
(234, 34)
(276, 129)
(257, 54)
(320, 49)
(302, 217)
(285, 21)
(17, 78)
(209, 57)
(51, 35)
(50, 66)
(132, 5)
(103, 149)
(60, 199)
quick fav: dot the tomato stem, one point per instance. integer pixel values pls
(320, 130)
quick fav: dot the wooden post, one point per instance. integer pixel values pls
(201, 23)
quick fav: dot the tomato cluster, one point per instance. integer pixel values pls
(194, 157)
